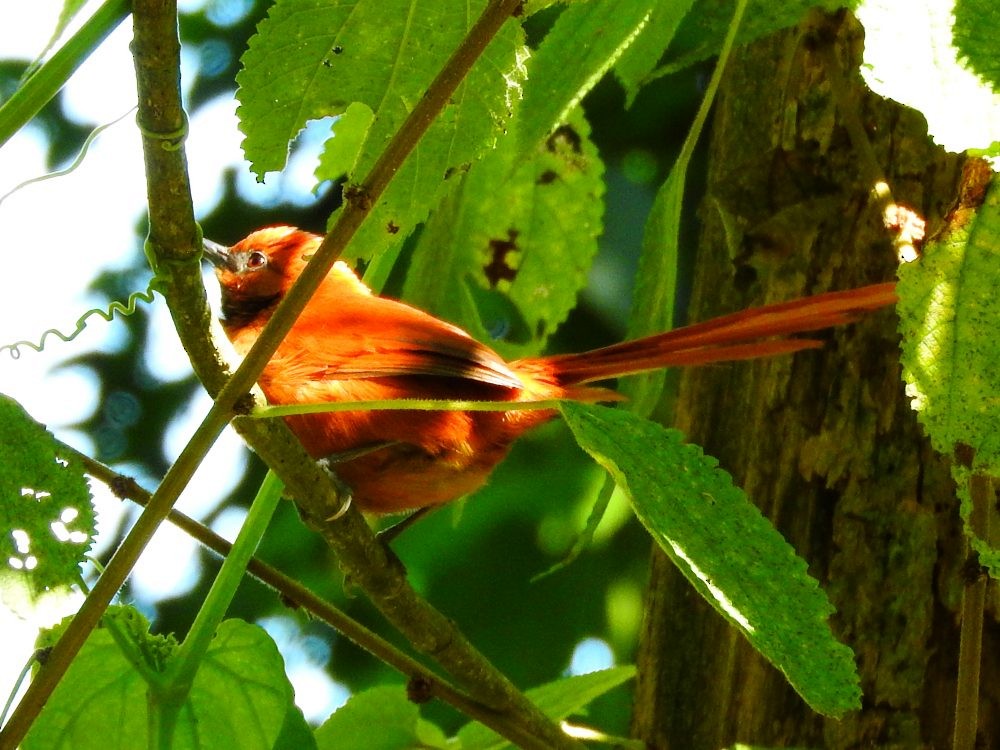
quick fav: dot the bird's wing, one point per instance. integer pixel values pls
(401, 357)
(391, 339)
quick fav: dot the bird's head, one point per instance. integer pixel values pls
(257, 271)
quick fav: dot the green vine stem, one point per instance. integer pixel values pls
(182, 668)
(408, 404)
(46, 82)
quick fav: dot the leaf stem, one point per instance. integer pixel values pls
(970, 649)
(181, 669)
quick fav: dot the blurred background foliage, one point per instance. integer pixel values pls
(477, 560)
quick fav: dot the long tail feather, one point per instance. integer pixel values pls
(743, 335)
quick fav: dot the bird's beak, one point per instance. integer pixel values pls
(218, 255)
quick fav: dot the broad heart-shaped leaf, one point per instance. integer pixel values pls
(977, 37)
(506, 254)
(313, 58)
(729, 552)
(381, 718)
(703, 29)
(949, 315)
(240, 698)
(46, 517)
(557, 700)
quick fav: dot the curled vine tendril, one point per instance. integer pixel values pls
(75, 163)
(123, 309)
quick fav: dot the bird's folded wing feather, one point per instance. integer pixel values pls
(412, 343)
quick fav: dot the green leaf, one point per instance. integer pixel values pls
(45, 506)
(557, 700)
(655, 284)
(506, 254)
(977, 37)
(949, 313)
(656, 276)
(582, 45)
(240, 697)
(729, 552)
(641, 57)
(344, 146)
(700, 35)
(382, 718)
(314, 58)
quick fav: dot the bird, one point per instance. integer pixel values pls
(349, 344)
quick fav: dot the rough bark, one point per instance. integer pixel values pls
(824, 442)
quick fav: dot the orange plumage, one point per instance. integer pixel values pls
(351, 345)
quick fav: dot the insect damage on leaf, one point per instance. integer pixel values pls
(564, 138)
(498, 268)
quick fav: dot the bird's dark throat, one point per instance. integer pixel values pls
(238, 311)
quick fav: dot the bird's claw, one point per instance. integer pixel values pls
(343, 491)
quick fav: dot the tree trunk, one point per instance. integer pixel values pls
(824, 442)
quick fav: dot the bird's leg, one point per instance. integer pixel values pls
(342, 457)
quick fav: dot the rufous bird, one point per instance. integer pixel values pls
(352, 345)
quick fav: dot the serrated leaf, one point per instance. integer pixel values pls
(507, 253)
(381, 718)
(949, 313)
(344, 146)
(581, 47)
(240, 698)
(313, 58)
(702, 31)
(45, 507)
(976, 34)
(729, 552)
(557, 700)
(988, 555)
(642, 56)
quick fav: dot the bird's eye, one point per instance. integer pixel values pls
(256, 260)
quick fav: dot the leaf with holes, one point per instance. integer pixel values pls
(45, 506)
